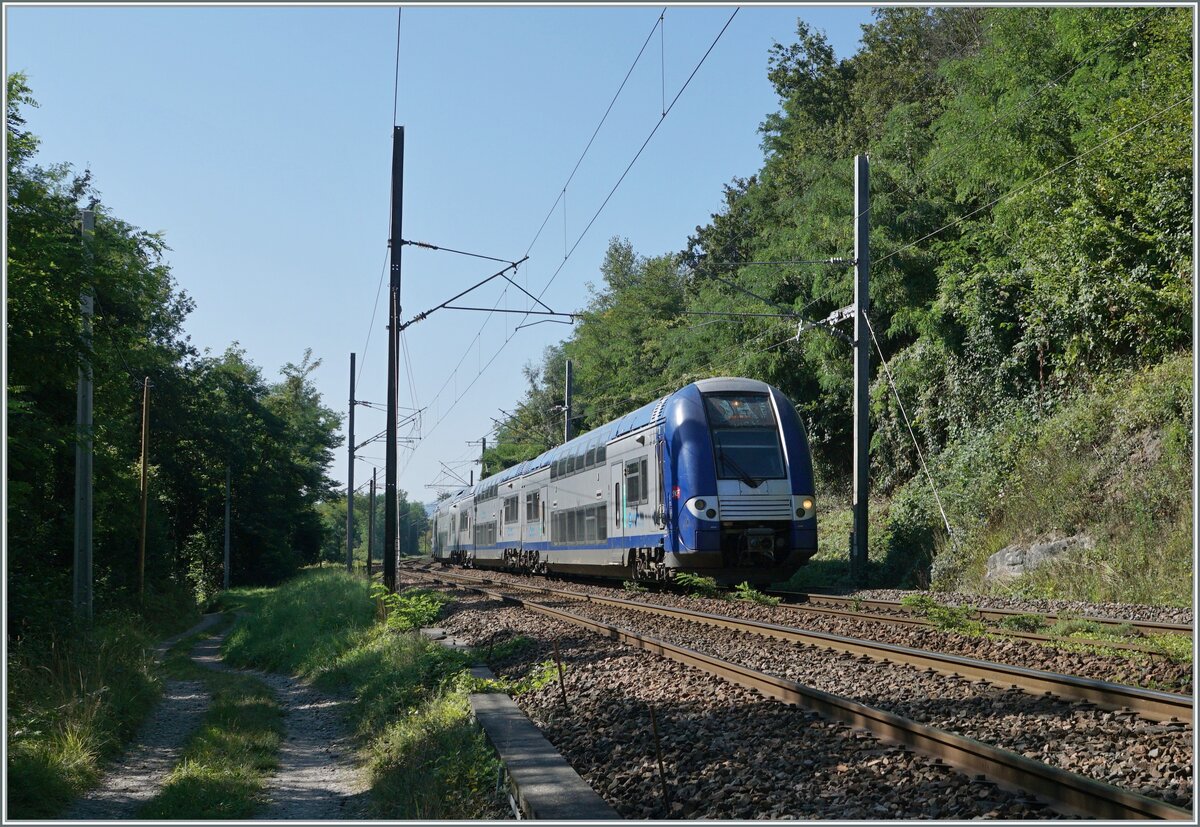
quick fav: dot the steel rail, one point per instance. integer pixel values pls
(1151, 703)
(912, 620)
(1065, 791)
(1144, 626)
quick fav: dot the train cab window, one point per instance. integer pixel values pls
(745, 437)
(636, 482)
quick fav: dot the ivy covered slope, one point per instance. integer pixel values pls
(1031, 234)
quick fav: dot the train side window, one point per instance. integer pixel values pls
(591, 458)
(617, 505)
(601, 454)
(589, 523)
(602, 522)
(633, 481)
(510, 510)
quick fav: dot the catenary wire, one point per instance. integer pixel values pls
(682, 89)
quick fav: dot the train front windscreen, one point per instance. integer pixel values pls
(745, 437)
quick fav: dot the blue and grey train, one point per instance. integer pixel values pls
(714, 479)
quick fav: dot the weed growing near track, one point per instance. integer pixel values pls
(410, 609)
(946, 618)
(697, 584)
(744, 591)
(425, 758)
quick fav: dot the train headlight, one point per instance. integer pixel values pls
(805, 506)
(705, 508)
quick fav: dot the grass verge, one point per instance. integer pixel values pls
(76, 695)
(426, 759)
(226, 761)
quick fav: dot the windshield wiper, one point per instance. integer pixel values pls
(753, 482)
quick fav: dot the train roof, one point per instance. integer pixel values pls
(647, 414)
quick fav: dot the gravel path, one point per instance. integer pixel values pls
(138, 775)
(318, 778)
(135, 777)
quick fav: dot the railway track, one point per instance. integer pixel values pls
(893, 609)
(1152, 704)
(912, 620)
(1070, 792)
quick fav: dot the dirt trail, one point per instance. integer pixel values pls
(318, 778)
(140, 772)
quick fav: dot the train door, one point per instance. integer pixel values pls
(542, 509)
(616, 518)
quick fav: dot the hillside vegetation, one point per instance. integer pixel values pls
(1031, 236)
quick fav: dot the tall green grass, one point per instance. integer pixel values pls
(74, 698)
(409, 711)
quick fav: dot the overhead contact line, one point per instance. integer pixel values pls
(596, 215)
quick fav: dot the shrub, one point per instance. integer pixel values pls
(744, 591)
(697, 585)
(1024, 623)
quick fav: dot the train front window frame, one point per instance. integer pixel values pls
(745, 437)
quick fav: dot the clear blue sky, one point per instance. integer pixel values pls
(259, 141)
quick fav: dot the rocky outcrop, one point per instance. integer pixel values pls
(1015, 560)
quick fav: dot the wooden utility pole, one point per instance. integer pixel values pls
(145, 452)
(862, 366)
(82, 574)
(350, 476)
(390, 534)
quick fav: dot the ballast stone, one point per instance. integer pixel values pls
(1015, 560)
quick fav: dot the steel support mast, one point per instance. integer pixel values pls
(568, 426)
(82, 574)
(862, 367)
(350, 476)
(390, 523)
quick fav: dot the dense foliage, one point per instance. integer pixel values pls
(207, 414)
(1031, 233)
